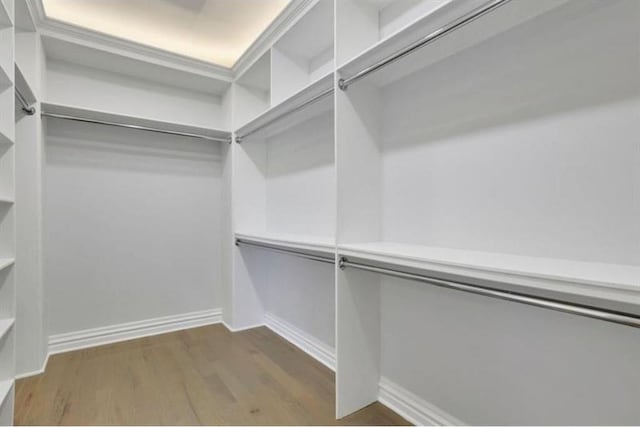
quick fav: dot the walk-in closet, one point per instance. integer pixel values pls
(319, 212)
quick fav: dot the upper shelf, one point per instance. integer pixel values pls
(444, 38)
(619, 283)
(290, 105)
(135, 122)
(311, 244)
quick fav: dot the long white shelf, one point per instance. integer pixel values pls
(620, 283)
(4, 199)
(5, 326)
(308, 243)
(67, 110)
(498, 21)
(304, 95)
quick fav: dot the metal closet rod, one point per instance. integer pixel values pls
(300, 254)
(316, 98)
(24, 104)
(551, 304)
(136, 127)
(426, 40)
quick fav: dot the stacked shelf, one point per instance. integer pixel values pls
(609, 282)
(7, 212)
(466, 137)
(284, 181)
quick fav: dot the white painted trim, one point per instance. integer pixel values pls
(126, 331)
(412, 407)
(294, 10)
(34, 373)
(305, 342)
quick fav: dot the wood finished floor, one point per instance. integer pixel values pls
(201, 376)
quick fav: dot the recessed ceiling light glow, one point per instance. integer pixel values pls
(216, 31)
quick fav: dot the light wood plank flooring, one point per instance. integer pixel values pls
(198, 376)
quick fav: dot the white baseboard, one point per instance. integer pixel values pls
(305, 342)
(34, 373)
(126, 331)
(412, 407)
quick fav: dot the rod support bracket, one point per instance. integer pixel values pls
(238, 139)
(341, 262)
(342, 84)
(30, 111)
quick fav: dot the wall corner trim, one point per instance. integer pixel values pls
(61, 343)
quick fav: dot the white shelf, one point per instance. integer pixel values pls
(305, 94)
(6, 262)
(604, 281)
(318, 244)
(5, 326)
(498, 21)
(131, 120)
(6, 200)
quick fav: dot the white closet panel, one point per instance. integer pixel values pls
(133, 225)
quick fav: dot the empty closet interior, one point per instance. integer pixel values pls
(436, 199)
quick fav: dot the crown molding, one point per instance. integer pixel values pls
(57, 29)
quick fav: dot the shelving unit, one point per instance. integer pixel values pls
(284, 182)
(476, 175)
(7, 212)
(488, 143)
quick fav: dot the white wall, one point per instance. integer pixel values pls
(529, 154)
(491, 362)
(133, 226)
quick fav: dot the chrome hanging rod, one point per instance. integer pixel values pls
(300, 254)
(426, 40)
(548, 303)
(316, 98)
(136, 127)
(24, 104)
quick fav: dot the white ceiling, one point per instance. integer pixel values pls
(215, 31)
